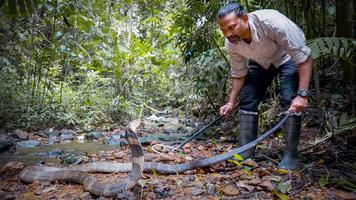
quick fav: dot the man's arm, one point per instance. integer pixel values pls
(305, 72)
(236, 85)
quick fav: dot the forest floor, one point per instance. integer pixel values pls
(328, 171)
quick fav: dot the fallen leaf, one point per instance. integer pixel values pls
(241, 184)
(345, 195)
(284, 187)
(280, 195)
(267, 185)
(272, 178)
(250, 162)
(231, 190)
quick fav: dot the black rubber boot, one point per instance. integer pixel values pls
(248, 131)
(292, 132)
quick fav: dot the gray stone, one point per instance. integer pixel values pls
(66, 136)
(211, 189)
(28, 143)
(44, 133)
(116, 140)
(94, 135)
(68, 131)
(20, 134)
(197, 191)
(52, 139)
(5, 145)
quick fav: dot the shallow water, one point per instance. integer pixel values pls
(29, 157)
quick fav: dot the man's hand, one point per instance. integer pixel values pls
(226, 109)
(298, 104)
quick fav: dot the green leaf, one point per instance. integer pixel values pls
(235, 162)
(155, 173)
(238, 157)
(323, 181)
(280, 195)
(284, 187)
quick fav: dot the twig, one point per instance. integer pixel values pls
(269, 158)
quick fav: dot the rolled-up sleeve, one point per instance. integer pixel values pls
(290, 37)
(238, 63)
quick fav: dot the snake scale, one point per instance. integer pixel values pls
(80, 173)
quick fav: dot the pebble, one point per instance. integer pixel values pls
(66, 136)
(28, 143)
(20, 134)
(197, 191)
(94, 135)
(211, 189)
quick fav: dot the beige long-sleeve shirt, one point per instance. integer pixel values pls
(275, 40)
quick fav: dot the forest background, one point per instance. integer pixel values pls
(102, 63)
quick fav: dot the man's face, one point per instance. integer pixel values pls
(233, 27)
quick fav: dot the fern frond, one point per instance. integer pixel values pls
(341, 47)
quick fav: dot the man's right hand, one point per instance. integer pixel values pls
(226, 109)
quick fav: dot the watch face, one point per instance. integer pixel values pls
(303, 93)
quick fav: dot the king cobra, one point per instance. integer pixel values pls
(80, 173)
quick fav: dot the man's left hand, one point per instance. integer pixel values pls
(298, 104)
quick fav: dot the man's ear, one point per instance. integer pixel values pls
(244, 17)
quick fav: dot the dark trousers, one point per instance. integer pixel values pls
(258, 79)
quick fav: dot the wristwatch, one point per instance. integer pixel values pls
(303, 93)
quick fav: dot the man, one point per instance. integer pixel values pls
(262, 45)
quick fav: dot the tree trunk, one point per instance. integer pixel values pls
(346, 27)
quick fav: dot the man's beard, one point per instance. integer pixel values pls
(234, 39)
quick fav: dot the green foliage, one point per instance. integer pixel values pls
(19, 7)
(92, 62)
(343, 48)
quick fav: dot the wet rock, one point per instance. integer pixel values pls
(211, 189)
(94, 135)
(231, 190)
(68, 131)
(54, 132)
(71, 158)
(80, 138)
(197, 191)
(52, 140)
(116, 140)
(66, 136)
(48, 133)
(28, 143)
(44, 133)
(20, 134)
(6, 145)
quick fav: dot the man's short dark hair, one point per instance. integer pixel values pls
(237, 8)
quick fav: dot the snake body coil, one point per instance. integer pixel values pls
(80, 173)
